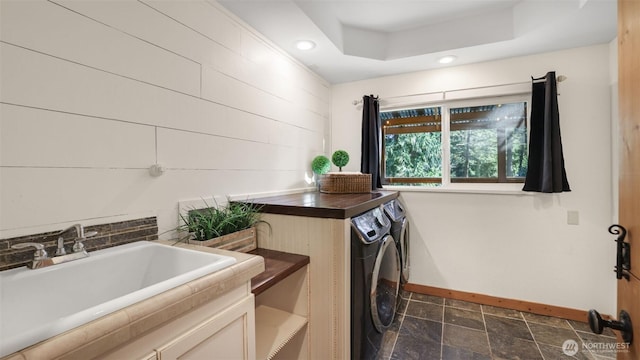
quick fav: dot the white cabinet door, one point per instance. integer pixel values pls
(226, 335)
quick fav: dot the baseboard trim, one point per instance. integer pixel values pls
(520, 305)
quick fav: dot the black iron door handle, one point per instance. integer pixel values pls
(597, 324)
(623, 254)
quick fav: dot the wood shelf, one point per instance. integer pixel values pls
(274, 329)
(282, 305)
(278, 265)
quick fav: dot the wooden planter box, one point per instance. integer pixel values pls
(243, 241)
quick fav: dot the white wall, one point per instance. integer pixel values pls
(615, 137)
(94, 92)
(615, 129)
(514, 246)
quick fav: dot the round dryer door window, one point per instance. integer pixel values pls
(385, 284)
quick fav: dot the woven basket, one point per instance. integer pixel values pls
(344, 183)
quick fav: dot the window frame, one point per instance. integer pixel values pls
(446, 181)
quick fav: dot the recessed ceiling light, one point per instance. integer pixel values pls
(447, 59)
(305, 44)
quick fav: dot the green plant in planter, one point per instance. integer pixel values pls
(340, 158)
(212, 222)
(321, 165)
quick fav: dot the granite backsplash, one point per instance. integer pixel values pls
(111, 234)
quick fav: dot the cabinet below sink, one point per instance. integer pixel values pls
(224, 327)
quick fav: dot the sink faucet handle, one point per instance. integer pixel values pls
(39, 254)
(60, 249)
(78, 245)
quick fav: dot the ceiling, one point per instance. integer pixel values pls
(362, 39)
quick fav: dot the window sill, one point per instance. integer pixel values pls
(493, 189)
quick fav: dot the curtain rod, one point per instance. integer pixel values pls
(559, 78)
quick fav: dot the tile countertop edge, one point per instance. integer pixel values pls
(117, 328)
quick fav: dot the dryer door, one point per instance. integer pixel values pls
(404, 250)
(385, 284)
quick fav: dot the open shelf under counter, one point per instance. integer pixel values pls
(275, 329)
(282, 305)
(278, 265)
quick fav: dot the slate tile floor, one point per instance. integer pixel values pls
(433, 328)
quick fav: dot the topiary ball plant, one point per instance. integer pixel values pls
(321, 165)
(340, 158)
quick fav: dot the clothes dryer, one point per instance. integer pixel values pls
(375, 280)
(400, 232)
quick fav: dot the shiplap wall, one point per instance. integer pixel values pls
(92, 93)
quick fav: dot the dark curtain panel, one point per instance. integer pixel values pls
(370, 158)
(546, 171)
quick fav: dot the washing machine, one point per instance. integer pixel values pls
(375, 280)
(400, 232)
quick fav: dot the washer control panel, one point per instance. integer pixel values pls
(372, 225)
(394, 210)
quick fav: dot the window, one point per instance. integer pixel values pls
(412, 146)
(456, 142)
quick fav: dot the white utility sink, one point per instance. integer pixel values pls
(38, 304)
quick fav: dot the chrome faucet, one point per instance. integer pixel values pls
(78, 244)
(39, 254)
(42, 259)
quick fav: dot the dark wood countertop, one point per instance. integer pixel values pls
(278, 265)
(316, 204)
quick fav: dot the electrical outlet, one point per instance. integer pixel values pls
(573, 217)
